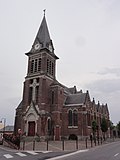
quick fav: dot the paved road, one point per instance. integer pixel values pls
(109, 151)
(6, 153)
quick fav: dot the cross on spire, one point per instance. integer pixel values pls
(44, 11)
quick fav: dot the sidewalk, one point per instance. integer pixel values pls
(67, 145)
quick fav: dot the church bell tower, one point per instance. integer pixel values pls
(34, 110)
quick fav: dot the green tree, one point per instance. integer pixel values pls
(111, 128)
(94, 127)
(104, 126)
(118, 128)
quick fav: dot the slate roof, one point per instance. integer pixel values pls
(78, 98)
(67, 90)
(43, 35)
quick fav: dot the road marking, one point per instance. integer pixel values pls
(21, 154)
(32, 152)
(8, 156)
(67, 155)
(116, 154)
(46, 151)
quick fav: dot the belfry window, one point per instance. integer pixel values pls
(32, 66)
(47, 65)
(52, 68)
(39, 64)
(35, 65)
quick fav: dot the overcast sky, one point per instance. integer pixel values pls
(86, 38)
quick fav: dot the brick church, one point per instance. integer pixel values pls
(49, 108)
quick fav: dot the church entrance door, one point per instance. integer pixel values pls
(31, 128)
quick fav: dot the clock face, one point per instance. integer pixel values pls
(37, 46)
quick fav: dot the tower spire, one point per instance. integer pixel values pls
(43, 36)
(44, 11)
(42, 39)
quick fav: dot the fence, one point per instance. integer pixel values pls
(67, 145)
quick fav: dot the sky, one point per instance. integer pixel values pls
(86, 38)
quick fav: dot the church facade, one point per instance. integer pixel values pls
(49, 108)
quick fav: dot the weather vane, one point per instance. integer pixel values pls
(44, 11)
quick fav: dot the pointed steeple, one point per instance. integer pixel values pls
(43, 36)
(43, 40)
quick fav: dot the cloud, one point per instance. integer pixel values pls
(107, 91)
(106, 71)
(105, 85)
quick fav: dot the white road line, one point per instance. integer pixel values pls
(21, 154)
(8, 156)
(67, 155)
(46, 151)
(32, 152)
(116, 154)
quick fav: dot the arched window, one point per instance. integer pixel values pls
(70, 118)
(75, 118)
(49, 126)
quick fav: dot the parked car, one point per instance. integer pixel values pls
(1, 138)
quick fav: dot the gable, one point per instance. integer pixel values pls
(31, 111)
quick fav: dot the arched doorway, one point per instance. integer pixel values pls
(31, 125)
(31, 128)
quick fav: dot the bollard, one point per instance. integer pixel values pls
(47, 144)
(33, 145)
(101, 140)
(76, 144)
(98, 141)
(95, 140)
(23, 145)
(91, 142)
(63, 144)
(86, 142)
